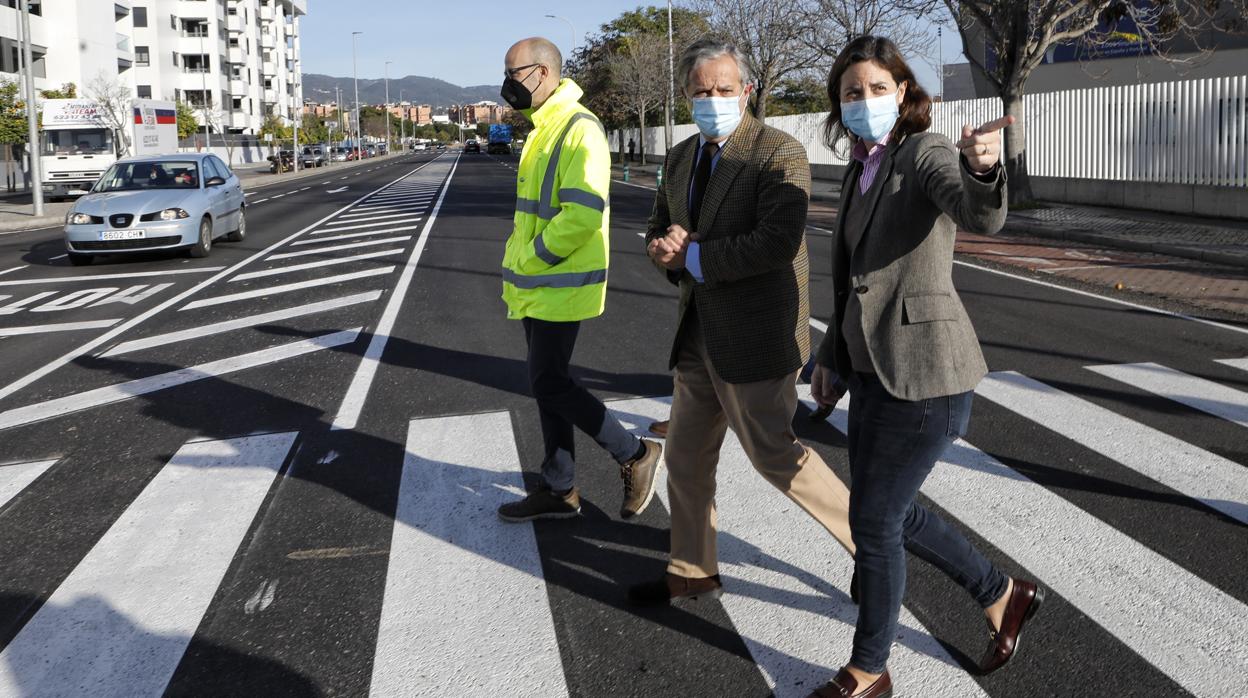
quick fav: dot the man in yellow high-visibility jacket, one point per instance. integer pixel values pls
(555, 276)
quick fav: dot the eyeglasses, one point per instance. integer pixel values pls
(513, 72)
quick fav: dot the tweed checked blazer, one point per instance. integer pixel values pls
(921, 341)
(754, 304)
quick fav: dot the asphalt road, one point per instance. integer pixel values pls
(274, 471)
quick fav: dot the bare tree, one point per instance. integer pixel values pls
(834, 23)
(1007, 39)
(114, 97)
(773, 35)
(639, 72)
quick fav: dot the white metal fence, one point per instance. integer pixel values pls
(1182, 132)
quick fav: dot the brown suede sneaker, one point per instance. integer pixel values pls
(542, 504)
(639, 476)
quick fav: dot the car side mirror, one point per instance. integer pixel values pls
(214, 181)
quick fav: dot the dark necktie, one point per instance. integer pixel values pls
(701, 176)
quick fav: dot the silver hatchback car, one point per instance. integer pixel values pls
(182, 201)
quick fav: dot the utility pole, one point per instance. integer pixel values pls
(359, 128)
(32, 125)
(940, 62)
(402, 121)
(669, 109)
(338, 111)
(203, 81)
(297, 110)
(386, 70)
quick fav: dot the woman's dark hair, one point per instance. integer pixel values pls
(916, 106)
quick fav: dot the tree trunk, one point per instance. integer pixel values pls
(621, 132)
(759, 110)
(641, 135)
(1015, 153)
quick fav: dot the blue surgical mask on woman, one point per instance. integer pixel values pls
(717, 117)
(871, 119)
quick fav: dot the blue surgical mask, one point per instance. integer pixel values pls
(870, 119)
(717, 117)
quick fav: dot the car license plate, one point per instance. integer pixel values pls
(123, 235)
(77, 192)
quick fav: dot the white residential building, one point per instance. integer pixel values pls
(234, 60)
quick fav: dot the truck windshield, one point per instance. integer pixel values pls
(129, 176)
(86, 141)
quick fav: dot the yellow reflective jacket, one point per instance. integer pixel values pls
(555, 264)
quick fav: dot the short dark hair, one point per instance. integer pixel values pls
(916, 106)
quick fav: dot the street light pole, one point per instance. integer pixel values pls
(296, 111)
(32, 126)
(670, 109)
(203, 82)
(402, 121)
(573, 28)
(387, 74)
(359, 128)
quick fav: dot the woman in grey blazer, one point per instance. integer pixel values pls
(903, 342)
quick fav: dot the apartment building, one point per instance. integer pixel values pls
(235, 60)
(419, 114)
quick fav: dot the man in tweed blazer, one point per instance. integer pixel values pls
(728, 227)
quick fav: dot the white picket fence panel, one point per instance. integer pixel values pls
(1181, 132)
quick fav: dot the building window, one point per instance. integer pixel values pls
(173, 22)
(238, 104)
(233, 10)
(175, 59)
(140, 17)
(143, 91)
(142, 56)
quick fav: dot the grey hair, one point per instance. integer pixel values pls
(709, 49)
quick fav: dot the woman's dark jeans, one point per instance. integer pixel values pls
(893, 445)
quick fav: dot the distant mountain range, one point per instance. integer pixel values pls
(415, 89)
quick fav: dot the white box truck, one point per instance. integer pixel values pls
(78, 142)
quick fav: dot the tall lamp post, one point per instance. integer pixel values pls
(32, 126)
(570, 26)
(359, 128)
(203, 80)
(670, 116)
(296, 111)
(402, 121)
(386, 69)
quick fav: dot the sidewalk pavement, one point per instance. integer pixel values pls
(16, 215)
(1204, 239)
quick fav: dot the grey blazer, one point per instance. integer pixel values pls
(921, 341)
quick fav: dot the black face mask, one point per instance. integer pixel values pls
(516, 94)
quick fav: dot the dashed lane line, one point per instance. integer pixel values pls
(6, 271)
(161, 340)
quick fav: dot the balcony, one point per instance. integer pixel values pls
(266, 13)
(270, 95)
(266, 41)
(236, 55)
(234, 24)
(121, 10)
(124, 49)
(239, 87)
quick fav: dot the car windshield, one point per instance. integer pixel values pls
(130, 176)
(84, 141)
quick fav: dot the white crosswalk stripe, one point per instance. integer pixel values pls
(14, 477)
(451, 552)
(119, 624)
(1197, 393)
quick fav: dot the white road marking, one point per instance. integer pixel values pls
(786, 583)
(6, 271)
(1200, 394)
(1241, 364)
(15, 477)
(368, 210)
(305, 188)
(383, 213)
(105, 277)
(121, 621)
(58, 327)
(277, 196)
(398, 200)
(341, 178)
(451, 562)
(119, 392)
(327, 181)
(1155, 607)
(1208, 478)
(335, 191)
(146, 315)
(1107, 299)
(357, 393)
(286, 288)
(359, 225)
(315, 265)
(161, 340)
(260, 201)
(336, 248)
(816, 228)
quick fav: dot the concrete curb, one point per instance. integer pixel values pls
(31, 224)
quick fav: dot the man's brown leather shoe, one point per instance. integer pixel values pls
(672, 588)
(659, 428)
(846, 686)
(1025, 600)
(639, 476)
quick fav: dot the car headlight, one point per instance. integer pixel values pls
(78, 219)
(173, 214)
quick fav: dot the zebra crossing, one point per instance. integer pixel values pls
(467, 611)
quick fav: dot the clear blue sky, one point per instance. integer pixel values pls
(438, 39)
